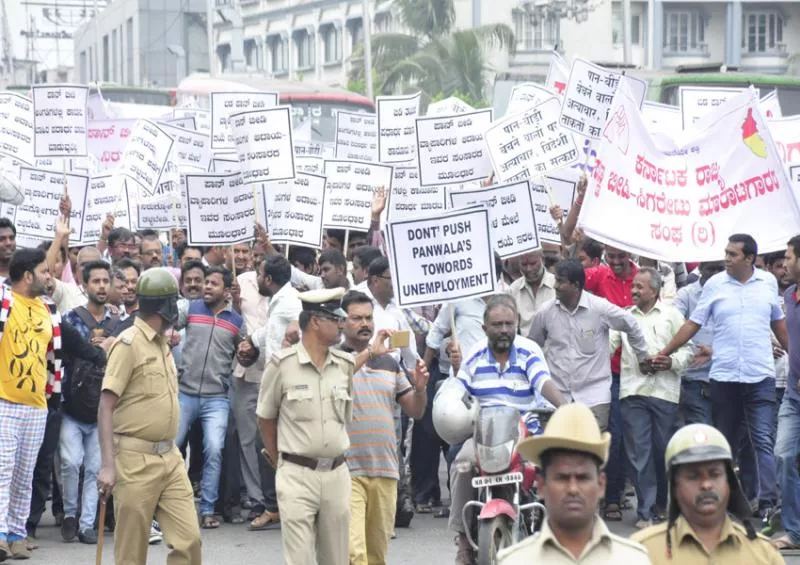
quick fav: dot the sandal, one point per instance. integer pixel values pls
(784, 543)
(265, 521)
(209, 522)
(612, 512)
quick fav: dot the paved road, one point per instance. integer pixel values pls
(427, 542)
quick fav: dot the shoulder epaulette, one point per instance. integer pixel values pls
(343, 355)
(285, 353)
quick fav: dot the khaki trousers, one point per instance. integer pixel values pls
(373, 501)
(154, 484)
(315, 514)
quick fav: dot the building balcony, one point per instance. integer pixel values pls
(772, 60)
(676, 55)
(532, 57)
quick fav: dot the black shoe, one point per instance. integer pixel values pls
(89, 537)
(69, 528)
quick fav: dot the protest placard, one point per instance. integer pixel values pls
(530, 144)
(106, 194)
(226, 104)
(106, 140)
(589, 94)
(222, 210)
(397, 140)
(682, 204)
(442, 258)
(295, 209)
(525, 95)
(770, 106)
(191, 150)
(561, 189)
(202, 118)
(224, 163)
(697, 101)
(37, 216)
(164, 214)
(452, 149)
(59, 120)
(356, 136)
(408, 199)
(557, 75)
(312, 148)
(16, 127)
(187, 122)
(348, 193)
(264, 143)
(448, 107)
(310, 165)
(511, 215)
(145, 157)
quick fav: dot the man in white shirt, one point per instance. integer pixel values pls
(533, 289)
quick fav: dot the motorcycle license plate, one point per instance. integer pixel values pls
(494, 480)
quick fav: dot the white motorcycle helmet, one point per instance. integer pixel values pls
(454, 411)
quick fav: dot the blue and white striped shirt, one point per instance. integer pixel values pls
(518, 384)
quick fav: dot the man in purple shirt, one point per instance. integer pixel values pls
(787, 444)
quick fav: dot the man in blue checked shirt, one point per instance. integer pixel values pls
(504, 369)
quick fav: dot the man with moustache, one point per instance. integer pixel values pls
(704, 490)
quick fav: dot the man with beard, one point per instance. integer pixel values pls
(704, 490)
(533, 289)
(193, 276)
(505, 369)
(151, 251)
(130, 300)
(8, 244)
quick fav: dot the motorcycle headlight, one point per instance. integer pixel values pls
(495, 459)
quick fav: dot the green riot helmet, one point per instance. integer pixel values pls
(157, 291)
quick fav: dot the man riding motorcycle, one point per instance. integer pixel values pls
(504, 370)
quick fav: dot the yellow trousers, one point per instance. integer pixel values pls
(373, 501)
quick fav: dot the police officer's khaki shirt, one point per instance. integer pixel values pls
(733, 549)
(604, 548)
(141, 372)
(312, 407)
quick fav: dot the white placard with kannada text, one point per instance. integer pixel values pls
(510, 213)
(224, 163)
(397, 140)
(187, 122)
(562, 193)
(412, 202)
(697, 101)
(59, 121)
(221, 209)
(145, 158)
(310, 165)
(448, 107)
(106, 194)
(589, 94)
(356, 136)
(191, 151)
(452, 149)
(37, 216)
(525, 95)
(295, 209)
(107, 140)
(16, 127)
(164, 214)
(348, 194)
(264, 142)
(531, 143)
(202, 118)
(442, 258)
(226, 104)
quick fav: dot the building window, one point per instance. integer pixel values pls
(114, 59)
(684, 32)
(277, 52)
(356, 33)
(332, 43)
(616, 26)
(532, 33)
(762, 32)
(106, 60)
(304, 42)
(129, 49)
(250, 54)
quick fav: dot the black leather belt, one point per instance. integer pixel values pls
(321, 464)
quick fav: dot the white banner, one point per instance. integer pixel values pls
(562, 190)
(16, 127)
(107, 140)
(356, 136)
(264, 142)
(397, 140)
(452, 149)
(697, 101)
(226, 104)
(222, 210)
(557, 76)
(525, 95)
(770, 106)
(145, 157)
(511, 216)
(682, 204)
(530, 144)
(589, 94)
(37, 216)
(448, 107)
(661, 118)
(202, 118)
(59, 121)
(442, 258)
(106, 194)
(295, 209)
(348, 194)
(191, 150)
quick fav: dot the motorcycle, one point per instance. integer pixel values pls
(507, 509)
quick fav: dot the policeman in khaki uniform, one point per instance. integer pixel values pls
(704, 490)
(138, 422)
(570, 455)
(304, 406)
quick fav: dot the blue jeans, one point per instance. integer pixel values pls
(745, 411)
(695, 404)
(212, 411)
(79, 445)
(616, 466)
(787, 449)
(648, 423)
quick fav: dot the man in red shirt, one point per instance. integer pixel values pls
(613, 282)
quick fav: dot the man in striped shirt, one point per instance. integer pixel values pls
(378, 387)
(504, 369)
